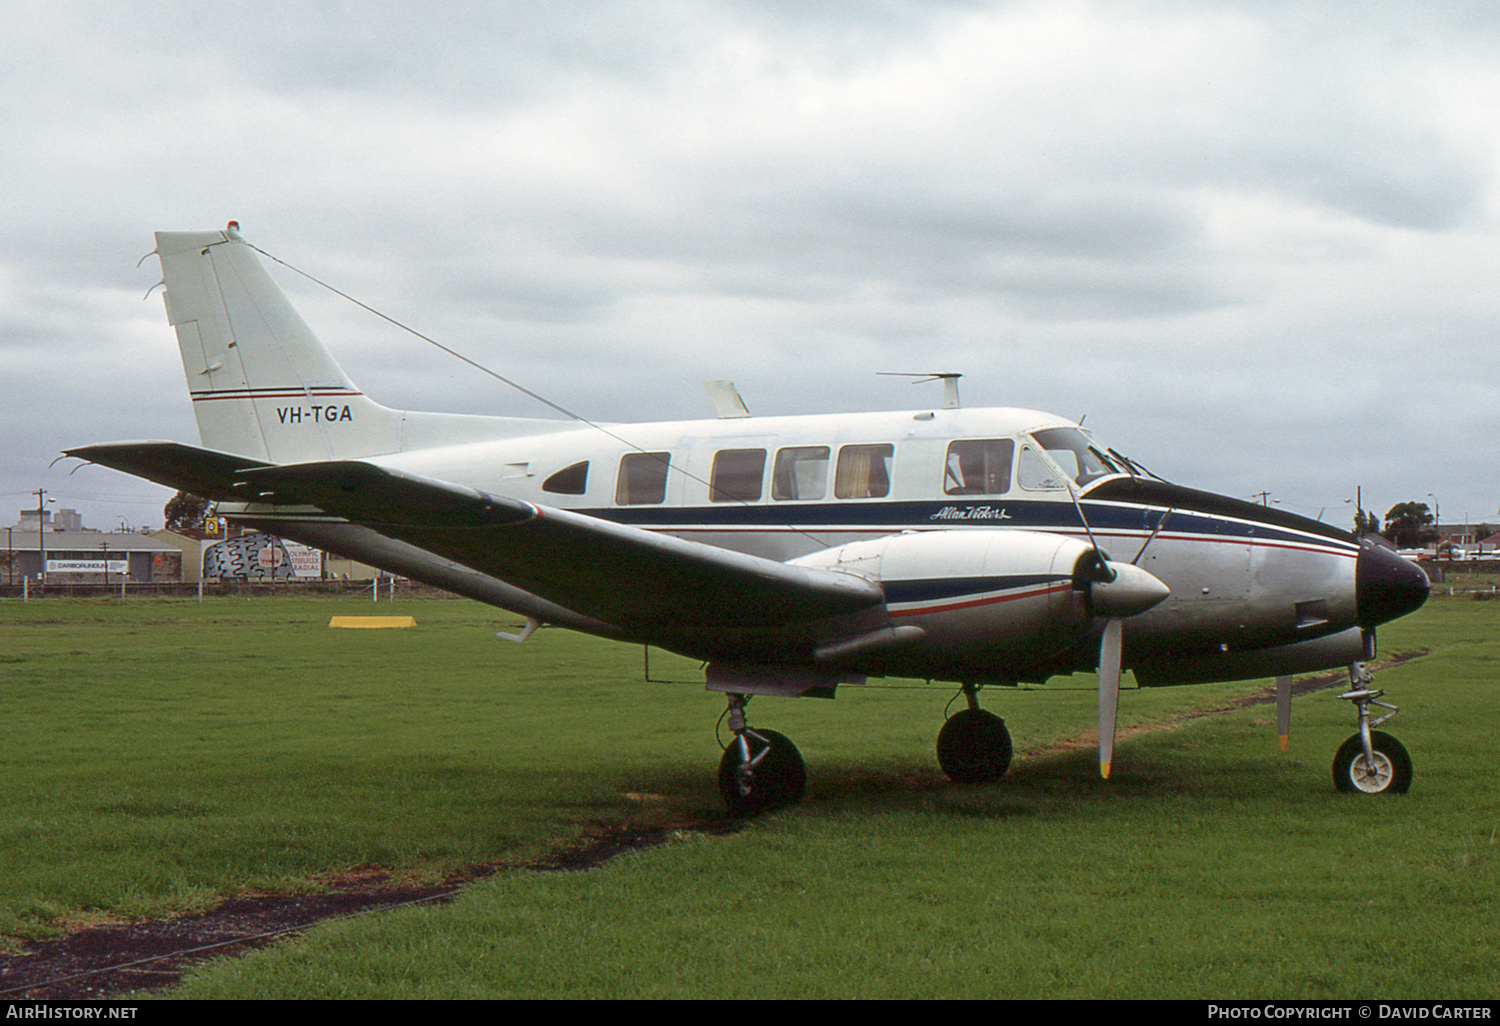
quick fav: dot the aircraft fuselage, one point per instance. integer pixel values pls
(1244, 578)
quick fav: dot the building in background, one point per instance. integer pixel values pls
(70, 553)
(76, 554)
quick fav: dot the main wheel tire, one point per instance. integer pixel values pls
(1388, 773)
(974, 747)
(773, 780)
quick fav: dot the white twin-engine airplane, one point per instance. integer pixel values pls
(790, 554)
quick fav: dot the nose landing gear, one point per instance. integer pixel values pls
(1370, 761)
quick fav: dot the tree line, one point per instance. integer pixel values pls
(1408, 525)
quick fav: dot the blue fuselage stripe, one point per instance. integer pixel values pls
(1032, 515)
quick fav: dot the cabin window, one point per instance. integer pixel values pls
(800, 473)
(573, 480)
(643, 478)
(737, 475)
(979, 466)
(864, 471)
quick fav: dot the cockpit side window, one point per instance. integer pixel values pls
(801, 472)
(979, 466)
(864, 471)
(1035, 473)
(1071, 450)
(643, 478)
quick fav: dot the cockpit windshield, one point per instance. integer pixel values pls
(1071, 450)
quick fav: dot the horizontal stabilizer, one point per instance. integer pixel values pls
(212, 475)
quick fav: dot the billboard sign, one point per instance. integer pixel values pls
(88, 566)
(261, 557)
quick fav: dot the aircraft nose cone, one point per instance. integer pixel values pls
(1385, 585)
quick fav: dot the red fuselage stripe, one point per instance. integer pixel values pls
(277, 394)
(949, 607)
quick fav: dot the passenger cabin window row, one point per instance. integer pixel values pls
(975, 466)
(801, 472)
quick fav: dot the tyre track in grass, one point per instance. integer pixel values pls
(99, 962)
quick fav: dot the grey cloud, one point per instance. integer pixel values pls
(1191, 220)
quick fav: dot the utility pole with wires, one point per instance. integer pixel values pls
(41, 531)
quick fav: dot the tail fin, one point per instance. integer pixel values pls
(262, 384)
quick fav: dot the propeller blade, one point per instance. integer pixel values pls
(1283, 709)
(1105, 567)
(1109, 691)
(1116, 590)
(1162, 522)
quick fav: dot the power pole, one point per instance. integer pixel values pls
(41, 534)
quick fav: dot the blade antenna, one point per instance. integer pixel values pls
(948, 378)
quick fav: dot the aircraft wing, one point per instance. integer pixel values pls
(622, 575)
(617, 573)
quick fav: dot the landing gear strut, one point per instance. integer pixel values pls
(1370, 761)
(974, 747)
(761, 769)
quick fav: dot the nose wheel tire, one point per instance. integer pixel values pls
(761, 770)
(974, 747)
(1388, 771)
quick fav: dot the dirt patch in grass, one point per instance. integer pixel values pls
(102, 961)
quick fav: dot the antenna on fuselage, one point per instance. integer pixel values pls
(949, 380)
(726, 399)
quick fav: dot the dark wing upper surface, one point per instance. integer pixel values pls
(614, 572)
(634, 579)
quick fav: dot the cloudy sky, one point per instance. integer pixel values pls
(1254, 242)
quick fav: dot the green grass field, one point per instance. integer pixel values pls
(159, 754)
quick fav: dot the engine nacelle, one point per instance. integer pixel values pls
(980, 598)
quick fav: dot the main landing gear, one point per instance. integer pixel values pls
(1370, 761)
(761, 769)
(974, 747)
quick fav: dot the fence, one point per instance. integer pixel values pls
(398, 588)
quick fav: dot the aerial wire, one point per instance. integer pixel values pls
(507, 381)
